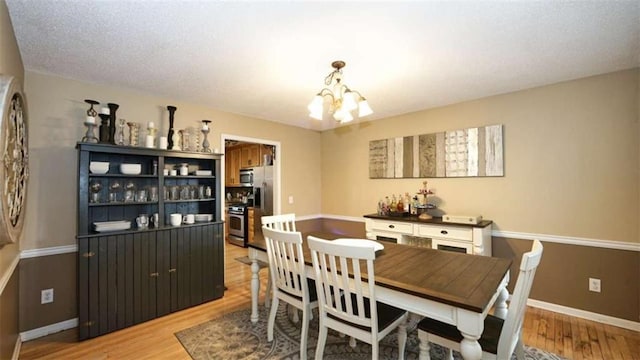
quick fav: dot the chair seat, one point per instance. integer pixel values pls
(488, 341)
(387, 314)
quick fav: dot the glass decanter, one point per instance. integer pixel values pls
(119, 137)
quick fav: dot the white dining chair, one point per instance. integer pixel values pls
(290, 283)
(500, 338)
(347, 297)
(284, 222)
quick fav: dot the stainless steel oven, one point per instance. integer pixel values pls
(237, 217)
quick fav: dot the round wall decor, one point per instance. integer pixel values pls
(14, 170)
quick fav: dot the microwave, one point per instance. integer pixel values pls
(246, 177)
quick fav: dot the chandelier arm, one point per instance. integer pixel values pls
(327, 92)
(356, 92)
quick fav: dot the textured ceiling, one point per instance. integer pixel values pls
(267, 59)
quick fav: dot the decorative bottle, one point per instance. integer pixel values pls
(120, 132)
(400, 205)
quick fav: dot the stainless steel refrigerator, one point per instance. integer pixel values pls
(263, 196)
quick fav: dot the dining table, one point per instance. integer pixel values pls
(455, 288)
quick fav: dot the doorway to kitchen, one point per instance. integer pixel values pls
(251, 182)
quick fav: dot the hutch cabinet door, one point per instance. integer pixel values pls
(145, 276)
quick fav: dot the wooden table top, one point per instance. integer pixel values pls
(462, 280)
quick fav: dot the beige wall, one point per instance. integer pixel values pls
(10, 59)
(57, 110)
(571, 160)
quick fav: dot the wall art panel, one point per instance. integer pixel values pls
(457, 153)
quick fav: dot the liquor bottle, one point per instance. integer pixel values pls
(400, 205)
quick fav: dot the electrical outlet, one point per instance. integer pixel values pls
(46, 296)
(594, 285)
(290, 199)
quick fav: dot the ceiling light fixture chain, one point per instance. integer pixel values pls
(343, 99)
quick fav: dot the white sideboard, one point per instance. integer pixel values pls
(468, 238)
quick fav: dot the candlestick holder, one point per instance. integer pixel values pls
(104, 128)
(90, 122)
(205, 131)
(134, 129)
(112, 122)
(170, 141)
(90, 137)
(151, 136)
(91, 112)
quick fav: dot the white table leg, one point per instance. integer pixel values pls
(470, 348)
(471, 326)
(255, 289)
(501, 304)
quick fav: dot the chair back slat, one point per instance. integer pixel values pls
(513, 323)
(343, 283)
(284, 222)
(286, 262)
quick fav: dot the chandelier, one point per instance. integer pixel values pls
(343, 99)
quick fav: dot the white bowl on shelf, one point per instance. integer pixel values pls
(203, 217)
(99, 167)
(130, 169)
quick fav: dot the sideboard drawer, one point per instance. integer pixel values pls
(392, 226)
(445, 232)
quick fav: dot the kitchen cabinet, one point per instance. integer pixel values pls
(139, 273)
(250, 156)
(467, 238)
(250, 224)
(232, 166)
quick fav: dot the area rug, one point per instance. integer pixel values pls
(233, 336)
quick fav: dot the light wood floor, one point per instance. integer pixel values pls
(567, 336)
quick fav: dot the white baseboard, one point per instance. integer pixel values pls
(604, 319)
(16, 349)
(49, 329)
(56, 250)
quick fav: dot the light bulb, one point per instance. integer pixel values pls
(315, 106)
(340, 114)
(316, 115)
(348, 101)
(364, 108)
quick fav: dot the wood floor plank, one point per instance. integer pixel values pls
(584, 340)
(567, 342)
(577, 342)
(567, 336)
(605, 349)
(596, 349)
(624, 348)
(558, 340)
